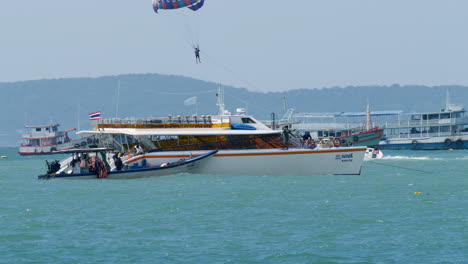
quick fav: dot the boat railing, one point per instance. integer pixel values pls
(419, 123)
(160, 120)
(423, 134)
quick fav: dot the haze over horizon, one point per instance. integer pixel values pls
(272, 47)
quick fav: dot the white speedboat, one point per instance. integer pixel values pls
(373, 154)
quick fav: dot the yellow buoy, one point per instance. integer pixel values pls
(450, 149)
(4, 157)
(417, 192)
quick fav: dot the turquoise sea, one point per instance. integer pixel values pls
(375, 217)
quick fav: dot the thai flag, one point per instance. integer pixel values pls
(95, 116)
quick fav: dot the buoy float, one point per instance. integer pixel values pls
(418, 193)
(4, 157)
(450, 149)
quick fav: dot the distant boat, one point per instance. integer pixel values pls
(325, 128)
(444, 129)
(48, 139)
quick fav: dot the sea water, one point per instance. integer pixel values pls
(410, 207)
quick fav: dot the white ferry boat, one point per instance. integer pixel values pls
(47, 139)
(246, 146)
(444, 129)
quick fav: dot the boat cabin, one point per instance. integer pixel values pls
(45, 135)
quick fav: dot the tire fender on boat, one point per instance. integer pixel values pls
(336, 142)
(414, 142)
(448, 142)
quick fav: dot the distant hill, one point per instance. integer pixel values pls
(68, 101)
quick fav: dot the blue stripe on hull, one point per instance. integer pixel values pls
(426, 146)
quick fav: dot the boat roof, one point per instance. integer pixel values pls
(180, 132)
(374, 113)
(347, 114)
(54, 125)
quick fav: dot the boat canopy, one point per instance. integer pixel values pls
(82, 150)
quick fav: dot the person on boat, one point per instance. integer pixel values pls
(197, 54)
(138, 150)
(306, 137)
(286, 133)
(118, 161)
(83, 163)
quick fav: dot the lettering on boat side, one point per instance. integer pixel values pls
(345, 157)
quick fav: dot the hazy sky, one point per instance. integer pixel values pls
(258, 44)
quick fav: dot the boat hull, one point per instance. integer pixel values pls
(366, 139)
(339, 161)
(432, 143)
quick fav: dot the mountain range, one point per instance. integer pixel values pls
(68, 101)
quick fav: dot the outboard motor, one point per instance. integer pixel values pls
(53, 167)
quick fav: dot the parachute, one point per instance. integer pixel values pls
(176, 4)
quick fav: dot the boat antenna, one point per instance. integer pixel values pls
(117, 100)
(220, 100)
(447, 99)
(285, 104)
(78, 114)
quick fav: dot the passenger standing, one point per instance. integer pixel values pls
(118, 161)
(286, 133)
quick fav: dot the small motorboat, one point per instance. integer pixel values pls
(372, 154)
(98, 168)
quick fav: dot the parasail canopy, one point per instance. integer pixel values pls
(176, 4)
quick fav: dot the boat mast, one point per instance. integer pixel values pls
(368, 117)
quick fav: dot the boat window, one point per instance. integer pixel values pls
(445, 129)
(247, 120)
(320, 133)
(54, 129)
(433, 116)
(445, 116)
(38, 129)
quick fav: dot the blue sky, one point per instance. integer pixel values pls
(261, 45)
